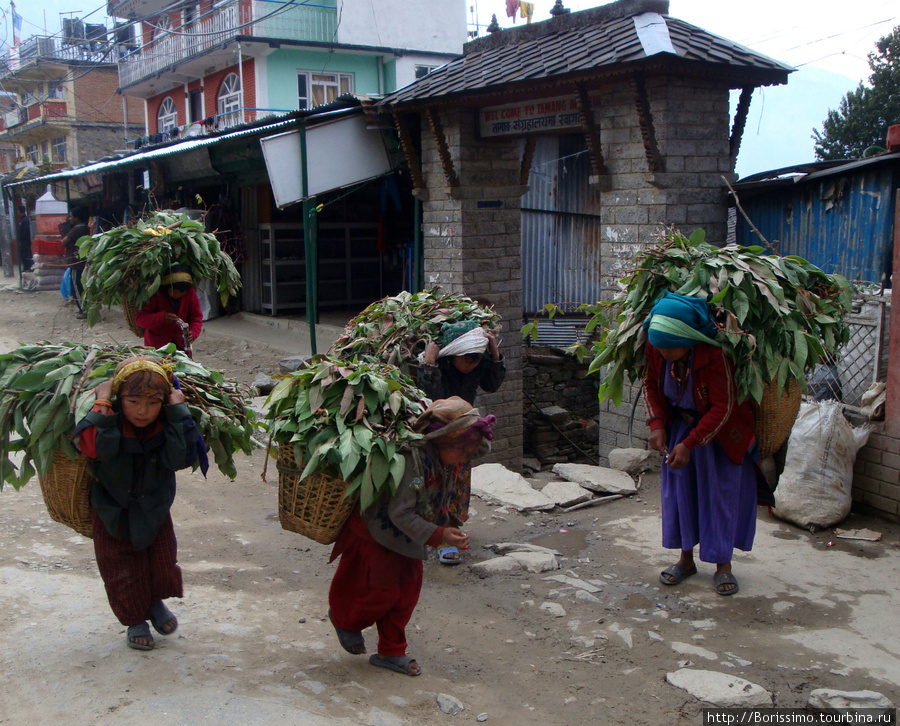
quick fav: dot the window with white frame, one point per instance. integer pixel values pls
(314, 89)
(422, 71)
(228, 103)
(167, 116)
(31, 153)
(161, 27)
(59, 149)
(45, 152)
(55, 90)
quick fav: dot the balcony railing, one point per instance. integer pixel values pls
(257, 18)
(40, 47)
(21, 120)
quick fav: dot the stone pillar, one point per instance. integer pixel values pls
(472, 245)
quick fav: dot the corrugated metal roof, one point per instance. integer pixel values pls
(587, 42)
(319, 115)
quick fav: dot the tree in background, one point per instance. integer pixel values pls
(863, 116)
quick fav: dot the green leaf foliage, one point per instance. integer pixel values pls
(777, 316)
(126, 263)
(352, 419)
(46, 388)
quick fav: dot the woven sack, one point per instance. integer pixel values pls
(66, 487)
(775, 416)
(130, 313)
(314, 507)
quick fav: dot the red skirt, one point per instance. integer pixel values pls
(373, 586)
(135, 579)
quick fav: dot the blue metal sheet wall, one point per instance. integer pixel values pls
(560, 227)
(840, 222)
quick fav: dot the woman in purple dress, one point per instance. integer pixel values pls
(709, 474)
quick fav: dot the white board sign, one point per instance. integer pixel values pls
(339, 153)
(545, 115)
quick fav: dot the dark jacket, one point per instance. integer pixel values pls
(444, 380)
(134, 479)
(715, 395)
(70, 246)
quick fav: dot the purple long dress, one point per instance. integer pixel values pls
(712, 500)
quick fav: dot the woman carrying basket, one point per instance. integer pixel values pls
(709, 475)
(173, 314)
(139, 440)
(379, 577)
(467, 359)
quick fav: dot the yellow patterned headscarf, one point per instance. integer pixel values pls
(143, 376)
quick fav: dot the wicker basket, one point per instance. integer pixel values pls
(775, 416)
(314, 507)
(67, 491)
(130, 314)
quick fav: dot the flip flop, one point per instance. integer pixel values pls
(348, 639)
(677, 573)
(399, 663)
(443, 553)
(725, 578)
(138, 631)
(161, 616)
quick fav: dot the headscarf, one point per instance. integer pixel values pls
(453, 424)
(178, 277)
(460, 338)
(143, 376)
(678, 321)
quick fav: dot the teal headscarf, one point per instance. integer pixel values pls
(451, 331)
(678, 321)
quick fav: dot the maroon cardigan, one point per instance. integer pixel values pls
(715, 395)
(152, 318)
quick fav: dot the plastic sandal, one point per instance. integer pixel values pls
(348, 639)
(161, 616)
(138, 631)
(725, 578)
(676, 574)
(398, 663)
(443, 553)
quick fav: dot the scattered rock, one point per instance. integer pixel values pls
(495, 566)
(831, 698)
(566, 493)
(688, 649)
(263, 383)
(496, 483)
(633, 461)
(535, 561)
(597, 478)
(556, 414)
(554, 608)
(377, 717)
(574, 582)
(504, 548)
(623, 633)
(481, 717)
(655, 636)
(720, 689)
(533, 464)
(293, 363)
(449, 704)
(586, 597)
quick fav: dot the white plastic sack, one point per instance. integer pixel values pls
(815, 488)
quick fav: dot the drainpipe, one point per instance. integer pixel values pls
(310, 252)
(417, 275)
(241, 79)
(380, 75)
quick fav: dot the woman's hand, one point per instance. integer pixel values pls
(657, 441)
(171, 318)
(680, 457)
(431, 353)
(176, 395)
(492, 345)
(456, 538)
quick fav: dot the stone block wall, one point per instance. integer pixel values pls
(472, 241)
(876, 474)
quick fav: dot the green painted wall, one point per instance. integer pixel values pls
(390, 77)
(284, 64)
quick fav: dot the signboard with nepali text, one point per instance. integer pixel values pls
(545, 115)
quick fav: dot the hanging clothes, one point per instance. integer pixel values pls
(512, 6)
(526, 10)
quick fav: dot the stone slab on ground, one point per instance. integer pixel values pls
(633, 461)
(496, 484)
(831, 698)
(597, 478)
(566, 493)
(720, 689)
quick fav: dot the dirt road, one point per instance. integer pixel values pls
(255, 647)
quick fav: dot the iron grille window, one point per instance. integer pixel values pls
(167, 117)
(229, 101)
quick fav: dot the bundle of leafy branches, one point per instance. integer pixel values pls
(46, 388)
(127, 263)
(395, 329)
(352, 420)
(777, 316)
